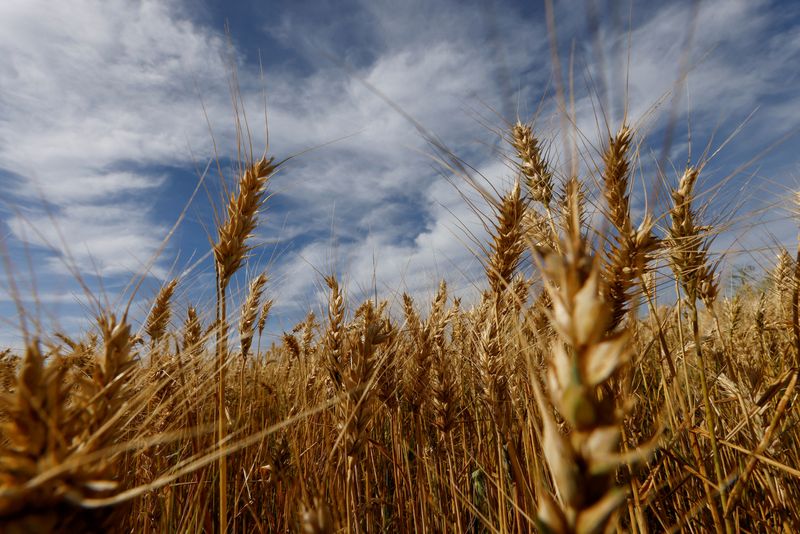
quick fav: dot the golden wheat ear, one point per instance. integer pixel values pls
(334, 334)
(249, 313)
(44, 478)
(616, 180)
(507, 244)
(687, 243)
(231, 248)
(533, 166)
(583, 358)
(193, 337)
(630, 249)
(161, 312)
(688, 247)
(230, 251)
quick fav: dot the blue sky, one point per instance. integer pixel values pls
(103, 133)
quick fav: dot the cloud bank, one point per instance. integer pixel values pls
(108, 112)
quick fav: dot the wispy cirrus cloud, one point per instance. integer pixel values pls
(99, 101)
(428, 61)
(94, 93)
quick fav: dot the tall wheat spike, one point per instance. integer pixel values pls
(230, 250)
(231, 247)
(631, 248)
(334, 335)
(688, 250)
(192, 332)
(583, 357)
(687, 242)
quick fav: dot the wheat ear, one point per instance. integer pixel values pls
(631, 248)
(231, 247)
(507, 244)
(249, 313)
(158, 319)
(688, 250)
(583, 357)
(230, 251)
(533, 165)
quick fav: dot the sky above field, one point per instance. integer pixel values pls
(110, 113)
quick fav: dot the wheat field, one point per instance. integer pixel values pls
(567, 399)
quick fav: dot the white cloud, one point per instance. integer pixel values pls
(431, 63)
(110, 93)
(108, 239)
(93, 94)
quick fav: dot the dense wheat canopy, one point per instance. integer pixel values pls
(474, 268)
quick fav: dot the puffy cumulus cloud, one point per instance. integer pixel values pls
(89, 84)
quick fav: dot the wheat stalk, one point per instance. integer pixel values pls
(230, 250)
(688, 250)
